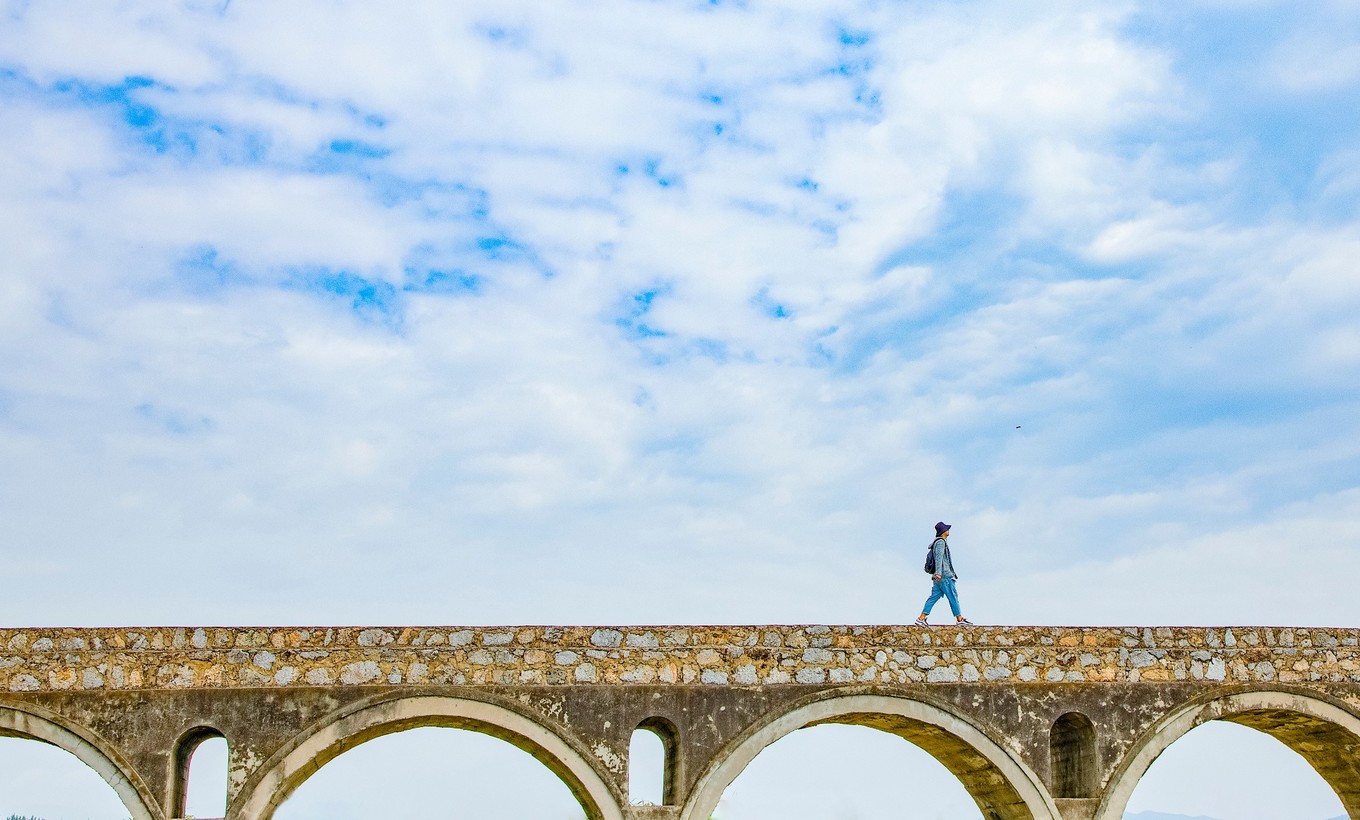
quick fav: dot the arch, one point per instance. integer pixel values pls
(1323, 733)
(91, 750)
(1072, 754)
(666, 732)
(1001, 784)
(185, 747)
(349, 728)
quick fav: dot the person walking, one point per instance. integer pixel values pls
(944, 578)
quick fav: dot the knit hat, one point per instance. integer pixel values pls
(941, 528)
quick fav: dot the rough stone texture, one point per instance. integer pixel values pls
(180, 658)
(139, 697)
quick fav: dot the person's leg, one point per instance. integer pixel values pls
(951, 592)
(936, 593)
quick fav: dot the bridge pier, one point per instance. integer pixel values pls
(652, 813)
(1077, 808)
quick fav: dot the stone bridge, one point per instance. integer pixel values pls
(1036, 722)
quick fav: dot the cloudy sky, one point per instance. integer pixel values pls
(628, 312)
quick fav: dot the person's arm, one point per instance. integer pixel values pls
(938, 548)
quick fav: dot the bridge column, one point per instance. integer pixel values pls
(1077, 808)
(652, 813)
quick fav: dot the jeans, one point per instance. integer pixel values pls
(943, 588)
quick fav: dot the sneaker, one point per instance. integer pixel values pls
(922, 622)
(964, 622)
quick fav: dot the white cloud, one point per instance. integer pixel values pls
(527, 397)
(1322, 56)
(106, 43)
(1291, 570)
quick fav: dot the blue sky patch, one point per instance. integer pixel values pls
(441, 270)
(136, 114)
(854, 39)
(506, 250)
(180, 138)
(503, 34)
(203, 270)
(444, 282)
(351, 156)
(652, 168)
(358, 148)
(172, 421)
(654, 171)
(1226, 57)
(971, 226)
(631, 317)
(373, 301)
(764, 303)
(715, 349)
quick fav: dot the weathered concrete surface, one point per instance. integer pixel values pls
(997, 705)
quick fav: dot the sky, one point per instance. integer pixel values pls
(692, 312)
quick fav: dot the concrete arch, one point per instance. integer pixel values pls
(1003, 786)
(90, 749)
(1323, 733)
(356, 725)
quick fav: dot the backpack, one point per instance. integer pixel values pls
(930, 558)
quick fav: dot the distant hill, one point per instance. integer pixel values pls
(1157, 815)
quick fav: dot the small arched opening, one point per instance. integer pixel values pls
(652, 763)
(1072, 756)
(198, 783)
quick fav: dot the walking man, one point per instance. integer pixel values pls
(944, 578)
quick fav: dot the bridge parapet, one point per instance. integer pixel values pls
(1037, 722)
(215, 657)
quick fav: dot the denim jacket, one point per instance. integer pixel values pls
(944, 565)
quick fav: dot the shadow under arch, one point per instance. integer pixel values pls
(362, 722)
(1323, 733)
(1002, 785)
(33, 724)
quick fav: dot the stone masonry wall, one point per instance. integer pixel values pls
(34, 660)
